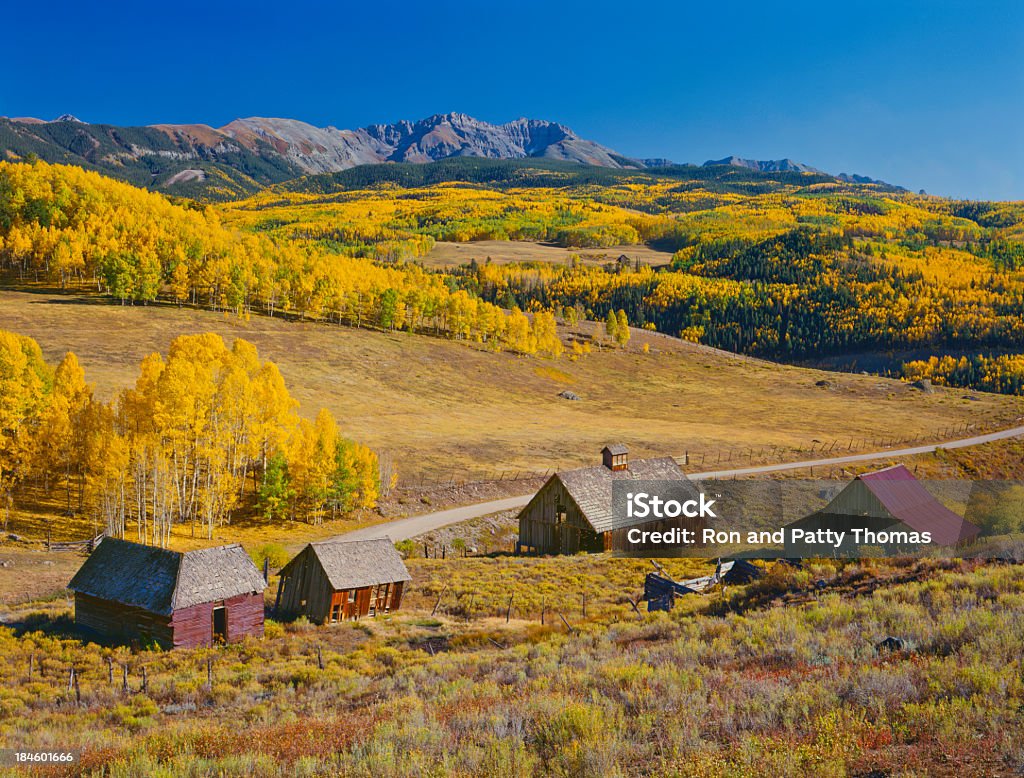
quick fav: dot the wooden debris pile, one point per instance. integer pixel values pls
(661, 590)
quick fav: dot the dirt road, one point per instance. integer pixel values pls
(402, 529)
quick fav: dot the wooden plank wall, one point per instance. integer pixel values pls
(617, 540)
(306, 580)
(113, 620)
(540, 530)
(194, 626)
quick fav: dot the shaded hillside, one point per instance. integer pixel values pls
(547, 173)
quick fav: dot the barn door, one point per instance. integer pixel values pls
(337, 606)
(349, 604)
(220, 624)
(379, 600)
(363, 602)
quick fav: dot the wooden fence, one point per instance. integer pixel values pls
(86, 544)
(738, 456)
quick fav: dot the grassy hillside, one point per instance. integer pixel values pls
(448, 254)
(723, 685)
(441, 408)
(792, 267)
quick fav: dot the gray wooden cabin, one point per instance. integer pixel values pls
(338, 580)
(572, 511)
(133, 592)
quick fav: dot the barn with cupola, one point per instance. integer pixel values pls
(572, 511)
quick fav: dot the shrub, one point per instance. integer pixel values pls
(275, 553)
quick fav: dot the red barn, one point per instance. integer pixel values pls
(887, 500)
(129, 591)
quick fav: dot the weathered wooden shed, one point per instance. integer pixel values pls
(888, 500)
(338, 580)
(572, 511)
(130, 591)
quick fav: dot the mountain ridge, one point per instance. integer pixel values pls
(251, 153)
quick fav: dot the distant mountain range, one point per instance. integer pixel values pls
(765, 165)
(248, 154)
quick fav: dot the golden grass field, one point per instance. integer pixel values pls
(447, 254)
(442, 408)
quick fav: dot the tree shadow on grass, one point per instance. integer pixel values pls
(62, 626)
(55, 625)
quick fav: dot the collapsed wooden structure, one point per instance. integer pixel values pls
(661, 590)
(130, 591)
(338, 580)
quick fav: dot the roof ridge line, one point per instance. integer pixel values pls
(177, 578)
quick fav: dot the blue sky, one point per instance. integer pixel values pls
(924, 94)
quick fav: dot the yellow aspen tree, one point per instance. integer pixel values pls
(60, 440)
(622, 334)
(25, 381)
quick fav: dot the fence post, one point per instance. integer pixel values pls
(438, 603)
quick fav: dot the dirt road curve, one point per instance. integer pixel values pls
(402, 529)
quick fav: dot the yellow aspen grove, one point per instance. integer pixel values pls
(25, 383)
(61, 436)
(798, 268)
(177, 449)
(136, 247)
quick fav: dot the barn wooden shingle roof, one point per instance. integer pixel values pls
(163, 581)
(355, 564)
(591, 487)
